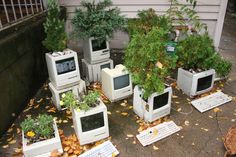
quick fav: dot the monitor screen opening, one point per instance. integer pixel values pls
(204, 83)
(160, 100)
(96, 46)
(65, 65)
(108, 65)
(121, 81)
(92, 122)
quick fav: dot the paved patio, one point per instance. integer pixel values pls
(201, 134)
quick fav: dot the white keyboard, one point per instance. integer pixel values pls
(106, 149)
(157, 133)
(211, 101)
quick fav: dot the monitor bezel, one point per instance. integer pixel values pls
(201, 75)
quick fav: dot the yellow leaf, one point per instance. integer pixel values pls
(159, 65)
(130, 135)
(155, 147)
(65, 121)
(186, 123)
(130, 107)
(5, 146)
(217, 110)
(124, 113)
(12, 142)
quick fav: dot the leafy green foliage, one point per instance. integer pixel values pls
(97, 20)
(40, 127)
(184, 15)
(85, 102)
(147, 19)
(54, 28)
(142, 56)
(198, 52)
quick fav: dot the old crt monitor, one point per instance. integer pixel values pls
(155, 107)
(94, 52)
(92, 72)
(91, 125)
(57, 94)
(63, 68)
(116, 83)
(194, 84)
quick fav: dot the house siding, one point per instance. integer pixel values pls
(211, 12)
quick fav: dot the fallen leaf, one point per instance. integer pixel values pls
(66, 149)
(186, 123)
(174, 96)
(193, 144)
(124, 113)
(130, 135)
(5, 146)
(17, 150)
(210, 117)
(179, 109)
(130, 107)
(10, 130)
(205, 129)
(40, 100)
(217, 110)
(134, 142)
(177, 102)
(232, 120)
(65, 121)
(196, 124)
(108, 112)
(155, 147)
(123, 104)
(12, 142)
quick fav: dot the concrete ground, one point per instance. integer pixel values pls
(201, 134)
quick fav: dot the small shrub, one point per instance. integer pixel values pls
(54, 28)
(198, 52)
(97, 20)
(147, 61)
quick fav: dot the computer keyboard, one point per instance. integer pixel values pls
(211, 101)
(157, 133)
(106, 149)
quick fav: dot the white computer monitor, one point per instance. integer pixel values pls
(94, 52)
(116, 83)
(156, 106)
(91, 125)
(92, 72)
(77, 90)
(194, 84)
(63, 68)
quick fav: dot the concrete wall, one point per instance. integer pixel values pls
(211, 12)
(22, 67)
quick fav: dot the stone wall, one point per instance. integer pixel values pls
(22, 67)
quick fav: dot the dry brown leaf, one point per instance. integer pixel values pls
(31, 103)
(66, 149)
(179, 109)
(159, 65)
(37, 106)
(177, 102)
(18, 130)
(40, 100)
(205, 129)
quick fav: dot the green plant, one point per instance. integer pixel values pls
(54, 28)
(38, 129)
(146, 59)
(198, 52)
(84, 103)
(97, 20)
(185, 15)
(147, 19)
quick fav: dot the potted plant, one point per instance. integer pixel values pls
(54, 28)
(147, 61)
(96, 20)
(40, 136)
(89, 116)
(197, 58)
